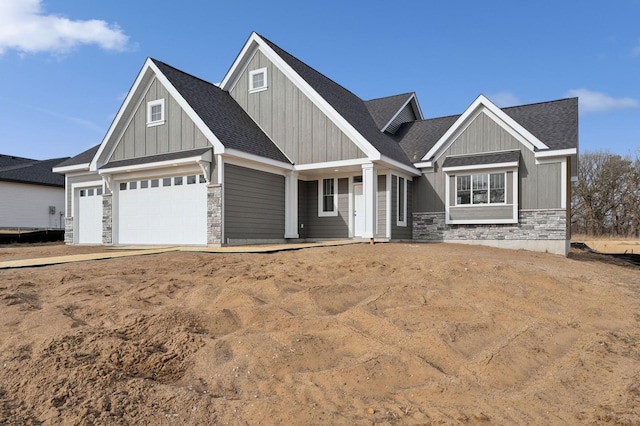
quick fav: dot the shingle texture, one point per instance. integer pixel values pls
(222, 115)
(25, 170)
(84, 157)
(347, 104)
(155, 158)
(482, 159)
(383, 109)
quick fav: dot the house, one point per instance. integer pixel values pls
(279, 152)
(31, 195)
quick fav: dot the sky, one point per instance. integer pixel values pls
(66, 65)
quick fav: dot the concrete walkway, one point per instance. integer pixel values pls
(127, 251)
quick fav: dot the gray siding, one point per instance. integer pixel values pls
(401, 232)
(325, 227)
(178, 133)
(253, 204)
(292, 121)
(481, 212)
(382, 207)
(539, 185)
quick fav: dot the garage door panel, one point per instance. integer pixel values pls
(89, 217)
(163, 215)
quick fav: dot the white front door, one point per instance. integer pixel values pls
(89, 220)
(358, 210)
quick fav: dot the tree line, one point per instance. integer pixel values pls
(606, 197)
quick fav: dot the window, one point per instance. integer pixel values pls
(191, 179)
(177, 180)
(484, 188)
(258, 80)
(155, 112)
(123, 186)
(144, 184)
(98, 191)
(166, 182)
(133, 185)
(327, 200)
(401, 219)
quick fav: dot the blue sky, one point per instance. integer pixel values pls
(66, 65)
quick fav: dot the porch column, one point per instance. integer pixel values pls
(370, 190)
(291, 205)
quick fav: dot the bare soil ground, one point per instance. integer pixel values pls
(384, 334)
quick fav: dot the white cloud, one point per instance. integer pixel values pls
(591, 101)
(504, 99)
(24, 27)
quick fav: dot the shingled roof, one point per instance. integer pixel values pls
(554, 123)
(84, 157)
(347, 104)
(222, 114)
(25, 170)
(383, 109)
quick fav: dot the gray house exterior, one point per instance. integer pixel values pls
(279, 152)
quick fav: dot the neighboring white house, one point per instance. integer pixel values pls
(31, 195)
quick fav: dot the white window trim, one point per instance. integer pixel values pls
(403, 201)
(510, 185)
(253, 89)
(322, 213)
(150, 105)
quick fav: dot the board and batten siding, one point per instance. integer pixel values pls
(325, 226)
(539, 184)
(178, 133)
(254, 205)
(299, 128)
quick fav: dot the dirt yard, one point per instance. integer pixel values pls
(384, 334)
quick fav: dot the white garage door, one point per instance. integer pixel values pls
(171, 210)
(89, 219)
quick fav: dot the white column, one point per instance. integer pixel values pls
(291, 205)
(370, 190)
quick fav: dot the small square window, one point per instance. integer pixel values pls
(98, 191)
(166, 182)
(144, 184)
(90, 192)
(191, 179)
(83, 193)
(155, 183)
(155, 112)
(133, 185)
(177, 180)
(258, 80)
(202, 179)
(123, 186)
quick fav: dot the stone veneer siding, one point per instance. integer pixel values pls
(68, 230)
(107, 219)
(532, 225)
(214, 214)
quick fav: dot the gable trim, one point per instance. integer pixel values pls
(480, 105)
(149, 66)
(414, 106)
(254, 43)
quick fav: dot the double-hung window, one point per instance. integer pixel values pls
(480, 188)
(327, 197)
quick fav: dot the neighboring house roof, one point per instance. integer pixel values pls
(555, 123)
(347, 104)
(383, 109)
(84, 157)
(222, 114)
(25, 170)
(482, 159)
